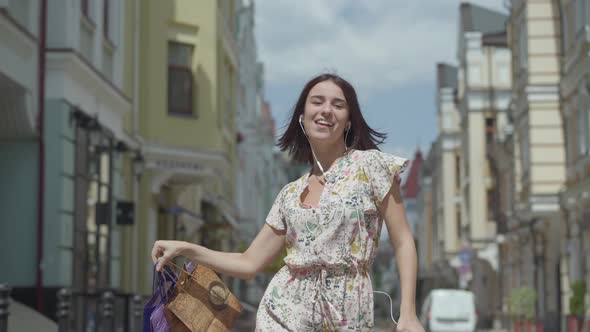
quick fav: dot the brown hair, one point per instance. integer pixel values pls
(360, 137)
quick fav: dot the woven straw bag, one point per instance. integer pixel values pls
(201, 302)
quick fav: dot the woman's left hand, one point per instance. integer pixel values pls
(409, 324)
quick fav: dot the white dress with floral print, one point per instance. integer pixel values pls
(325, 284)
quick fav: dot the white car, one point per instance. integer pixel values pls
(449, 310)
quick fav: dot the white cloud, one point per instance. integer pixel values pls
(377, 44)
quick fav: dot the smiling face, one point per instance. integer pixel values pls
(326, 114)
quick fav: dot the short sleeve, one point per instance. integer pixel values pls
(276, 217)
(381, 169)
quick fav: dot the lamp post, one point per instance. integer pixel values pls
(138, 165)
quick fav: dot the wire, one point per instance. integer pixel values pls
(390, 305)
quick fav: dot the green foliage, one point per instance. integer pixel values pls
(577, 300)
(521, 303)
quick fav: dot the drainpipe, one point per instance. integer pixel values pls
(536, 268)
(41, 170)
(136, 182)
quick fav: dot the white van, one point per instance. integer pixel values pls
(449, 310)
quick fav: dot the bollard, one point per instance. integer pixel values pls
(137, 313)
(4, 303)
(64, 304)
(107, 311)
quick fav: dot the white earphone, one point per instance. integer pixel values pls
(301, 124)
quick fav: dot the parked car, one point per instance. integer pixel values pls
(449, 310)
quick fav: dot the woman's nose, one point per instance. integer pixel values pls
(326, 109)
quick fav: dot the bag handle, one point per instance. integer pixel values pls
(169, 280)
(183, 270)
(160, 281)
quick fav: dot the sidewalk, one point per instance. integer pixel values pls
(24, 318)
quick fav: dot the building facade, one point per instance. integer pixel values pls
(448, 157)
(575, 196)
(188, 69)
(132, 137)
(484, 84)
(66, 142)
(535, 225)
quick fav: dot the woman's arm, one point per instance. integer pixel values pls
(265, 247)
(402, 240)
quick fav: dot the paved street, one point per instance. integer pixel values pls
(23, 318)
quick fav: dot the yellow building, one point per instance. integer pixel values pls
(483, 94)
(575, 197)
(184, 118)
(531, 249)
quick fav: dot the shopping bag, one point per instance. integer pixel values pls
(201, 302)
(154, 319)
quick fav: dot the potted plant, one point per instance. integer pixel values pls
(515, 309)
(577, 305)
(521, 304)
(528, 299)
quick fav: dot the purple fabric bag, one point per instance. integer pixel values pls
(153, 312)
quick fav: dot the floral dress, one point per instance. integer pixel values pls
(325, 284)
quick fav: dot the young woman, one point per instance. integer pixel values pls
(329, 220)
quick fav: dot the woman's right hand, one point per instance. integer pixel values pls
(164, 251)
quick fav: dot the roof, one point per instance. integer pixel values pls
(411, 186)
(446, 75)
(484, 20)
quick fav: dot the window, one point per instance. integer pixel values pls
(580, 14)
(490, 125)
(569, 140)
(87, 9)
(502, 192)
(583, 132)
(503, 73)
(474, 74)
(490, 133)
(106, 19)
(491, 202)
(458, 222)
(84, 7)
(180, 78)
(457, 173)
(565, 26)
(525, 147)
(522, 44)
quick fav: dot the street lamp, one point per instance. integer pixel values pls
(138, 165)
(94, 132)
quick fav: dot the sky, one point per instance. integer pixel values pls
(387, 49)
